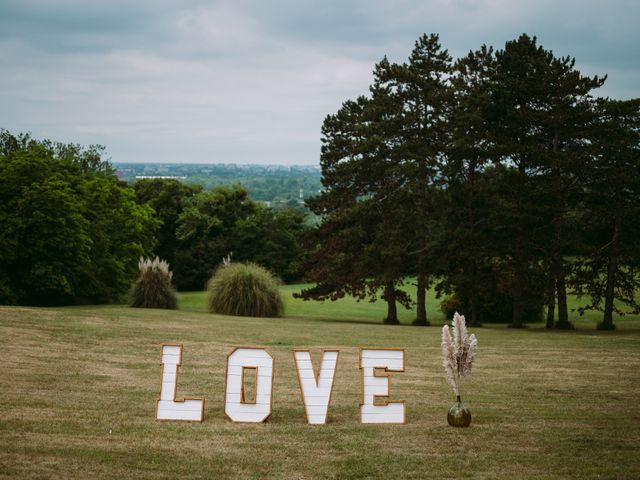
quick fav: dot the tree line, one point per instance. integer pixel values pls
(73, 233)
(200, 227)
(498, 178)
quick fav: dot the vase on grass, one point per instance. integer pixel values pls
(458, 353)
(459, 415)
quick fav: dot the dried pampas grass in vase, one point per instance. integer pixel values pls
(458, 353)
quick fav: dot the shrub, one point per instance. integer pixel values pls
(451, 304)
(153, 287)
(496, 307)
(244, 289)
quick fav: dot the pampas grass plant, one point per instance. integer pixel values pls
(244, 289)
(458, 352)
(153, 288)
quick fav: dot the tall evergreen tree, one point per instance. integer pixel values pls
(610, 266)
(465, 245)
(353, 250)
(416, 134)
(541, 129)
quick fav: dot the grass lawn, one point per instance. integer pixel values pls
(79, 384)
(352, 311)
(346, 309)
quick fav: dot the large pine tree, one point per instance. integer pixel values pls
(415, 130)
(609, 269)
(465, 246)
(541, 127)
(356, 249)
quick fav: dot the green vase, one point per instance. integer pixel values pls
(459, 415)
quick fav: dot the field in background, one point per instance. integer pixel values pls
(349, 310)
(346, 309)
(79, 384)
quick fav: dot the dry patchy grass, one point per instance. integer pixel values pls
(79, 384)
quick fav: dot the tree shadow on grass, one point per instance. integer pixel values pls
(353, 321)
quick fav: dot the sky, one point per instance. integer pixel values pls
(197, 81)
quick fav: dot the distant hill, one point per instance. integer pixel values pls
(277, 185)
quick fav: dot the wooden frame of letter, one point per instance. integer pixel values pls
(372, 361)
(189, 409)
(235, 406)
(317, 383)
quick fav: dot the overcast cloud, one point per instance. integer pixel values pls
(251, 81)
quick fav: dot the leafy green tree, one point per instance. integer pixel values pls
(223, 221)
(121, 231)
(379, 160)
(205, 232)
(45, 249)
(167, 197)
(272, 239)
(71, 231)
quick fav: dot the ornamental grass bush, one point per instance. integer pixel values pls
(244, 289)
(153, 288)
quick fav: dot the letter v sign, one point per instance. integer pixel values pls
(316, 389)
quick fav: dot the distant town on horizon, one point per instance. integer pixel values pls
(278, 186)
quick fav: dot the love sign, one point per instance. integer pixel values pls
(316, 385)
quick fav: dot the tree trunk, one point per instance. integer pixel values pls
(558, 270)
(563, 310)
(607, 321)
(423, 237)
(390, 297)
(518, 310)
(558, 273)
(551, 301)
(473, 297)
(421, 300)
(612, 268)
(475, 320)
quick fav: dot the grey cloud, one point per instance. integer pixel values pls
(251, 81)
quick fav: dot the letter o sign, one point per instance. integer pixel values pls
(242, 362)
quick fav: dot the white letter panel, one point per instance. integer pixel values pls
(235, 406)
(167, 407)
(316, 389)
(377, 385)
